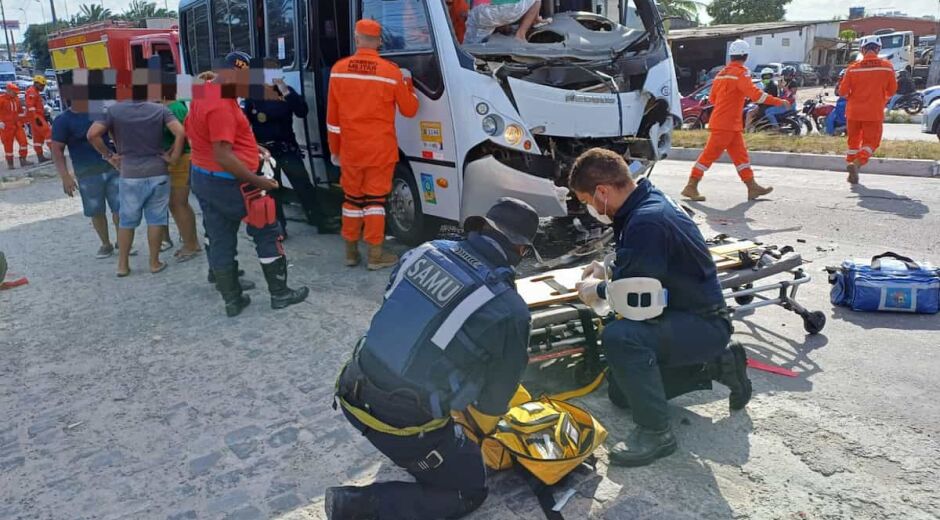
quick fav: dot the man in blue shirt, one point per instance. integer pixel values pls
(95, 179)
(687, 346)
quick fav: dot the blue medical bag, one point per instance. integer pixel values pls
(889, 282)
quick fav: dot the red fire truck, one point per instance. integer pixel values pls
(113, 45)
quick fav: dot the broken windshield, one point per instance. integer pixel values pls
(493, 29)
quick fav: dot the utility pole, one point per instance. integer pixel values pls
(933, 74)
(5, 33)
(52, 6)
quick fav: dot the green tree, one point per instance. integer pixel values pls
(88, 13)
(685, 9)
(36, 40)
(848, 35)
(139, 10)
(747, 11)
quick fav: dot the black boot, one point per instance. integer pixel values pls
(281, 295)
(226, 281)
(349, 503)
(643, 446)
(246, 285)
(730, 369)
(641, 383)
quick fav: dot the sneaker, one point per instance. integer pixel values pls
(105, 251)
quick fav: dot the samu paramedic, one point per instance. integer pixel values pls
(451, 335)
(662, 267)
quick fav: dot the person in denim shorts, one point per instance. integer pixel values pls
(137, 128)
(95, 179)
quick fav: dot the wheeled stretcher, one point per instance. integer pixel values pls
(751, 277)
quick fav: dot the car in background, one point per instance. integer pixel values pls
(776, 67)
(24, 82)
(693, 106)
(931, 122)
(806, 74)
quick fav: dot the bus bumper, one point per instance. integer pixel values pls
(486, 180)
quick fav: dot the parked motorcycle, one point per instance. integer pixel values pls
(817, 110)
(788, 123)
(912, 103)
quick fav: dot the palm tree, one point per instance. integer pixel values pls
(92, 13)
(140, 10)
(685, 9)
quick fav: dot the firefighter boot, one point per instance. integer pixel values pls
(350, 503)
(691, 190)
(40, 157)
(24, 162)
(730, 369)
(275, 274)
(642, 384)
(643, 446)
(755, 191)
(10, 165)
(226, 281)
(853, 168)
(379, 258)
(352, 253)
(247, 285)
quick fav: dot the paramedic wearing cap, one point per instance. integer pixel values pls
(732, 86)
(451, 336)
(224, 158)
(36, 116)
(687, 346)
(360, 121)
(11, 125)
(867, 86)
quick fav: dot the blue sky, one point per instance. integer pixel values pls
(34, 12)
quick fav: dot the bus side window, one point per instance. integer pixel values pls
(231, 26)
(405, 26)
(196, 35)
(280, 18)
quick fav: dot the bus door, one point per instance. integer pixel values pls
(331, 38)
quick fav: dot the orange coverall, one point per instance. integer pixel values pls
(867, 87)
(11, 116)
(36, 117)
(458, 10)
(726, 126)
(360, 120)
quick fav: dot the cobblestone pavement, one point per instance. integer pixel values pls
(137, 398)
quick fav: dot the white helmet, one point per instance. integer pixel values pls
(766, 71)
(739, 48)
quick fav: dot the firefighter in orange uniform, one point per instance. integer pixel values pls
(36, 116)
(732, 86)
(11, 125)
(360, 119)
(867, 86)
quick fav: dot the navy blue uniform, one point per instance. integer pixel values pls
(452, 332)
(272, 121)
(656, 239)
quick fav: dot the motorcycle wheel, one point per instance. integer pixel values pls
(914, 106)
(790, 126)
(692, 123)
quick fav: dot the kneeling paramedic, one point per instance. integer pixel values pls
(224, 159)
(451, 335)
(674, 337)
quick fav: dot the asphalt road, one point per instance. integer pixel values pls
(137, 398)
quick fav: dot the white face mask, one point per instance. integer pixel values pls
(603, 219)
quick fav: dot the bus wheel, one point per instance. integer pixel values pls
(405, 219)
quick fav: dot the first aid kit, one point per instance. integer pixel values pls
(888, 282)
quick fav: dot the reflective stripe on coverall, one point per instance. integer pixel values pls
(732, 86)
(36, 117)
(867, 85)
(360, 121)
(11, 117)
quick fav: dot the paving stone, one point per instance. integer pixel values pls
(283, 437)
(242, 442)
(278, 487)
(202, 465)
(185, 515)
(284, 503)
(9, 464)
(106, 459)
(278, 398)
(247, 513)
(228, 503)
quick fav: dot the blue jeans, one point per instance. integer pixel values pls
(773, 112)
(99, 192)
(223, 209)
(148, 197)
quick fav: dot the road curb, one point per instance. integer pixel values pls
(807, 161)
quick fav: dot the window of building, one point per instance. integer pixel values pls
(280, 17)
(785, 42)
(759, 40)
(405, 27)
(197, 39)
(231, 26)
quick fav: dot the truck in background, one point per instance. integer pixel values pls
(113, 45)
(896, 47)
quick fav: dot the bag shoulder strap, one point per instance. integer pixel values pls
(876, 260)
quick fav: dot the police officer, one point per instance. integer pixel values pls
(450, 336)
(225, 157)
(688, 344)
(272, 121)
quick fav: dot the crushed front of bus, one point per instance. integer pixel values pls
(582, 80)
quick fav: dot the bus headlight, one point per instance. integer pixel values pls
(513, 134)
(492, 124)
